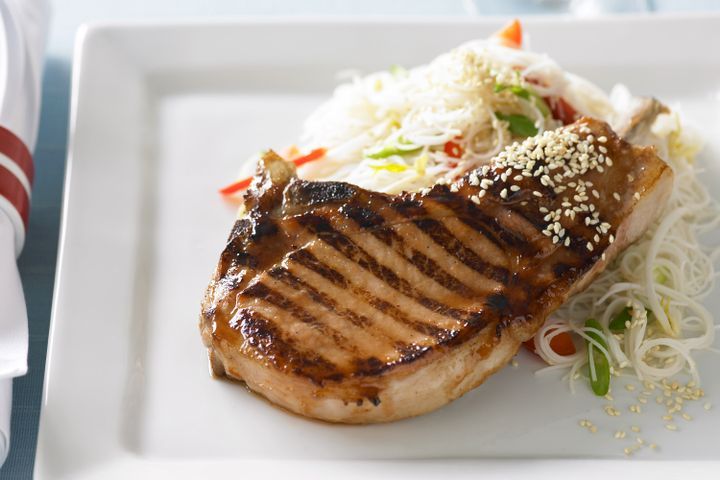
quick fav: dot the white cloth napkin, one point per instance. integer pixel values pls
(23, 27)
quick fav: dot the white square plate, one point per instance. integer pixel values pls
(162, 115)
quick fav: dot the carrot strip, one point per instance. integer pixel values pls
(511, 34)
(562, 344)
(245, 182)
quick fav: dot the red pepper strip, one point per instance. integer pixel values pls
(511, 34)
(245, 182)
(561, 110)
(236, 187)
(314, 155)
(561, 344)
(454, 150)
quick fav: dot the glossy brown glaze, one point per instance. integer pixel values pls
(333, 293)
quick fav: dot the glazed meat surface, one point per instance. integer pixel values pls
(354, 306)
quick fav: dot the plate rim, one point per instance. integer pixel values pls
(88, 31)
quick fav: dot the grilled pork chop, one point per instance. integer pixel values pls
(354, 306)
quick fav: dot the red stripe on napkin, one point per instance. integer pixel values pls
(16, 150)
(13, 190)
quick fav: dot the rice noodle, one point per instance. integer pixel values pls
(662, 277)
(452, 99)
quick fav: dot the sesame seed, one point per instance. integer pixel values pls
(481, 193)
(636, 196)
(686, 417)
(475, 199)
(518, 178)
(514, 363)
(503, 193)
(671, 426)
(514, 188)
(635, 428)
(454, 187)
(602, 139)
(707, 406)
(537, 194)
(616, 196)
(589, 246)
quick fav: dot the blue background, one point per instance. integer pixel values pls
(37, 263)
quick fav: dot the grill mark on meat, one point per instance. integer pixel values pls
(577, 232)
(388, 231)
(372, 221)
(440, 235)
(262, 291)
(484, 224)
(265, 340)
(342, 244)
(309, 261)
(479, 244)
(307, 193)
(359, 320)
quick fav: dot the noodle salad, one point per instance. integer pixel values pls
(407, 129)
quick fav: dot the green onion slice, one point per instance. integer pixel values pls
(520, 125)
(525, 94)
(617, 324)
(597, 361)
(399, 147)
